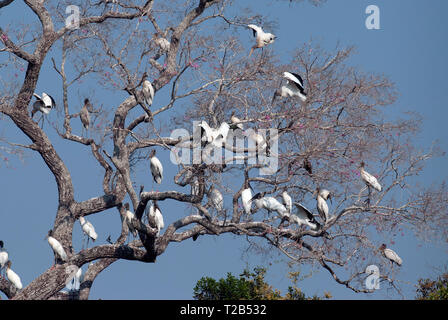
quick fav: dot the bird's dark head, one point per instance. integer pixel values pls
(144, 76)
(86, 101)
(8, 264)
(259, 195)
(362, 164)
(1, 244)
(49, 234)
(126, 206)
(382, 247)
(153, 153)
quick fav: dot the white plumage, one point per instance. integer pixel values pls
(262, 38)
(287, 200)
(154, 212)
(129, 216)
(162, 43)
(270, 204)
(258, 139)
(88, 228)
(236, 122)
(43, 104)
(215, 136)
(156, 167)
(57, 247)
(322, 205)
(147, 90)
(3, 257)
(391, 255)
(246, 198)
(370, 180)
(304, 216)
(13, 277)
(216, 197)
(293, 88)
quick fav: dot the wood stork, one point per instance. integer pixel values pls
(88, 229)
(13, 277)
(262, 38)
(258, 139)
(43, 104)
(287, 201)
(390, 254)
(270, 204)
(77, 280)
(162, 43)
(129, 216)
(153, 212)
(84, 114)
(147, 90)
(322, 195)
(304, 216)
(293, 87)
(246, 199)
(156, 167)
(235, 122)
(3, 257)
(213, 136)
(216, 198)
(369, 180)
(57, 247)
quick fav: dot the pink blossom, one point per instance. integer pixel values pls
(164, 65)
(4, 37)
(22, 69)
(84, 31)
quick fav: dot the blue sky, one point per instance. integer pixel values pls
(410, 49)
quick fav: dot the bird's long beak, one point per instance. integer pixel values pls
(331, 198)
(314, 193)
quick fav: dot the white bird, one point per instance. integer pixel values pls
(162, 43)
(246, 198)
(236, 122)
(293, 87)
(214, 136)
(156, 167)
(154, 212)
(390, 254)
(43, 104)
(147, 90)
(262, 38)
(75, 283)
(216, 198)
(3, 257)
(304, 216)
(270, 204)
(57, 247)
(129, 216)
(84, 114)
(287, 201)
(88, 229)
(322, 207)
(370, 180)
(13, 277)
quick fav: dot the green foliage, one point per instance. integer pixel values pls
(249, 286)
(433, 289)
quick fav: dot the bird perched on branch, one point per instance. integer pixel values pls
(369, 180)
(3, 257)
(322, 195)
(154, 212)
(84, 114)
(390, 254)
(235, 122)
(57, 247)
(43, 104)
(293, 87)
(262, 38)
(147, 90)
(13, 277)
(156, 167)
(88, 230)
(129, 216)
(304, 216)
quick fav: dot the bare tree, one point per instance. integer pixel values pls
(208, 75)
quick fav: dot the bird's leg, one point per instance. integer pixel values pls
(251, 50)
